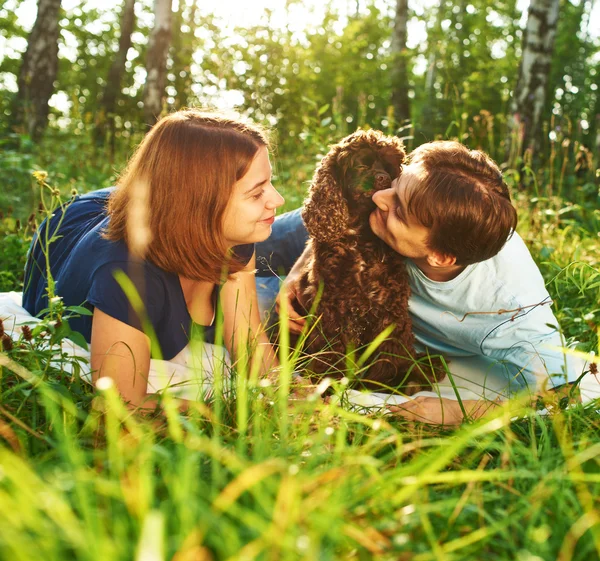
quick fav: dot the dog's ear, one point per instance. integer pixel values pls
(325, 212)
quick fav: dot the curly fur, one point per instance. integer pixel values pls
(364, 282)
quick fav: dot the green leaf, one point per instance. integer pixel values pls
(81, 310)
(78, 339)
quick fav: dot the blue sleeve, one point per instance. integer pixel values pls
(107, 295)
(244, 252)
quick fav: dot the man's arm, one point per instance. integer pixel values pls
(289, 291)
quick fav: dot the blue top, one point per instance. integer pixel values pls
(83, 264)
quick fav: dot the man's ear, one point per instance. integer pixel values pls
(440, 260)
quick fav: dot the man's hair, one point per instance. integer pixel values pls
(184, 171)
(463, 200)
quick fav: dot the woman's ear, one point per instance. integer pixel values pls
(325, 212)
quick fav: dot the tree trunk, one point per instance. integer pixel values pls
(400, 100)
(531, 91)
(156, 61)
(184, 44)
(112, 91)
(38, 71)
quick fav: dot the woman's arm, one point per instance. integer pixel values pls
(242, 327)
(122, 353)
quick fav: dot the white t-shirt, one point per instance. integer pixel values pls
(499, 309)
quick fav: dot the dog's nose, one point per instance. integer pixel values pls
(382, 181)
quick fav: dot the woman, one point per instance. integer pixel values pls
(181, 224)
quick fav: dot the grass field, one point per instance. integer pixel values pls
(262, 476)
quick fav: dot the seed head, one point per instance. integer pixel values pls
(27, 335)
(7, 344)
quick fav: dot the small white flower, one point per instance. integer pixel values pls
(105, 383)
(329, 431)
(589, 317)
(303, 543)
(293, 469)
(55, 299)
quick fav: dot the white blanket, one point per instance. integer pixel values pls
(190, 374)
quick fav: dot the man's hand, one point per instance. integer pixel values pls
(441, 411)
(289, 292)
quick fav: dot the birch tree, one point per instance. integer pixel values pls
(399, 51)
(112, 91)
(156, 61)
(184, 44)
(531, 91)
(38, 71)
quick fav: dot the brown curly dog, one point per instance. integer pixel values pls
(358, 283)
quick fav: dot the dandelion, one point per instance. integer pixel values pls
(40, 176)
(74, 192)
(7, 344)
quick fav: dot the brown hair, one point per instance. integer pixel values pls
(463, 199)
(186, 167)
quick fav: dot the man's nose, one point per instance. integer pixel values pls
(382, 198)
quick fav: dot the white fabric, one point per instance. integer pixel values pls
(190, 374)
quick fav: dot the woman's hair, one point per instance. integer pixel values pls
(462, 198)
(176, 188)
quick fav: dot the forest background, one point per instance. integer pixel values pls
(81, 84)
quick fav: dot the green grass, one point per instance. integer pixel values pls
(263, 476)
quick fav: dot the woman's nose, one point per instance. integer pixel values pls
(275, 200)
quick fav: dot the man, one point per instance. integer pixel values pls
(476, 291)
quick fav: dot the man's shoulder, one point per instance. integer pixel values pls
(514, 268)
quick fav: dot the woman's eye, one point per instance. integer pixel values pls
(258, 195)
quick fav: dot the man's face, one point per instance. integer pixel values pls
(391, 222)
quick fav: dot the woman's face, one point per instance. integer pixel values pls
(251, 209)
